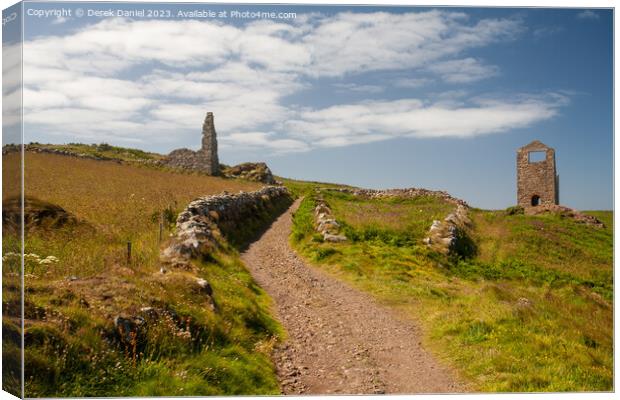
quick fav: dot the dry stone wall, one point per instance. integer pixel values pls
(188, 159)
(200, 226)
(33, 148)
(326, 224)
(405, 193)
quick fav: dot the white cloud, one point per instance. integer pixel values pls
(588, 14)
(380, 120)
(268, 140)
(353, 87)
(42, 99)
(11, 85)
(11, 67)
(464, 70)
(412, 83)
(334, 46)
(545, 31)
(152, 80)
(357, 42)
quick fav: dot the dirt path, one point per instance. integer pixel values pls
(340, 340)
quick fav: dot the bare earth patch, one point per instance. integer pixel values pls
(340, 339)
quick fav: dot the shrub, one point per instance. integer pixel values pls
(515, 210)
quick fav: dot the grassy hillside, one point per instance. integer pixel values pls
(72, 299)
(102, 150)
(531, 311)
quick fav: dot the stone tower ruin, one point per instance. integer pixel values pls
(537, 180)
(209, 145)
(204, 160)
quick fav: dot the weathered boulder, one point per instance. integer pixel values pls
(446, 236)
(128, 328)
(205, 286)
(328, 237)
(257, 172)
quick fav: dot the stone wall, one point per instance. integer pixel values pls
(405, 193)
(188, 159)
(537, 182)
(33, 148)
(200, 226)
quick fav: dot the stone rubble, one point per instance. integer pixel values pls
(257, 172)
(405, 193)
(326, 224)
(443, 235)
(564, 212)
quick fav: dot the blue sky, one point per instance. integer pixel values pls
(371, 96)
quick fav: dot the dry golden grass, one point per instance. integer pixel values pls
(10, 175)
(104, 192)
(117, 203)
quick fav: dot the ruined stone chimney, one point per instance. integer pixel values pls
(209, 146)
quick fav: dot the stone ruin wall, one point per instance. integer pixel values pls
(536, 178)
(204, 160)
(189, 159)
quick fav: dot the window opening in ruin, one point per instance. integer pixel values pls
(535, 200)
(537, 156)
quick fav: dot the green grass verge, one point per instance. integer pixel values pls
(70, 351)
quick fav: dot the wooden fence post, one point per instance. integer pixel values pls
(128, 253)
(161, 231)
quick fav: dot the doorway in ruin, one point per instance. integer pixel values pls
(535, 200)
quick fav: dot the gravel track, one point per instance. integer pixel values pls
(340, 340)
